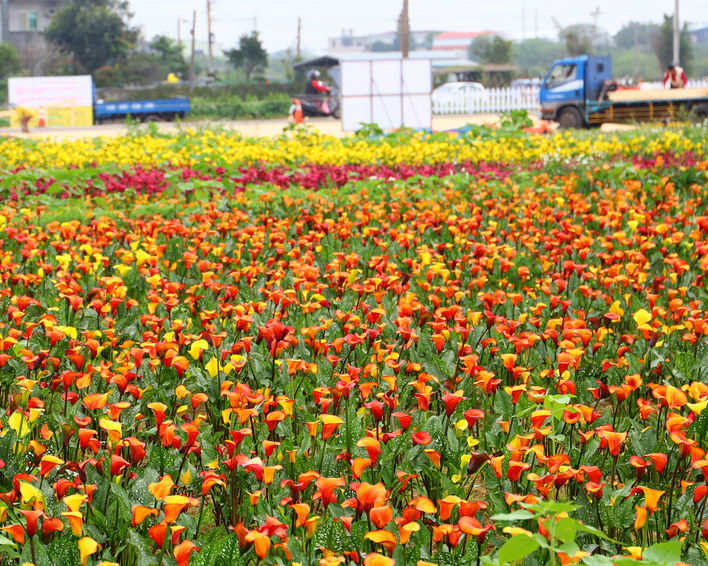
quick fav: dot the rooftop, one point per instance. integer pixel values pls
(465, 34)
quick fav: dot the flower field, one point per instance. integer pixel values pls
(487, 348)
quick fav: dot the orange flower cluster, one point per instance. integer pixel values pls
(375, 377)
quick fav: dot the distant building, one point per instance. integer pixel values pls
(347, 43)
(452, 40)
(25, 21)
(386, 41)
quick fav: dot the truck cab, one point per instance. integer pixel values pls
(569, 87)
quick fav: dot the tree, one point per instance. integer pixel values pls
(490, 49)
(250, 56)
(10, 63)
(41, 58)
(624, 38)
(381, 46)
(647, 65)
(534, 56)
(578, 38)
(94, 32)
(169, 55)
(662, 44)
(141, 68)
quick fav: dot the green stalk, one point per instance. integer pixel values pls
(162, 551)
(324, 449)
(199, 521)
(349, 432)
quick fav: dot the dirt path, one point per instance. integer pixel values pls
(251, 128)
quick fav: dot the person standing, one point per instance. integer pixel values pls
(675, 77)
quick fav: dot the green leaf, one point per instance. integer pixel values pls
(64, 551)
(8, 548)
(101, 202)
(514, 516)
(41, 556)
(566, 528)
(553, 507)
(598, 560)
(516, 548)
(664, 552)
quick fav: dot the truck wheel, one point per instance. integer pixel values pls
(151, 118)
(700, 111)
(570, 118)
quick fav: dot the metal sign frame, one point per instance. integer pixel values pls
(393, 93)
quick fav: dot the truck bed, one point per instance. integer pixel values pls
(164, 109)
(656, 95)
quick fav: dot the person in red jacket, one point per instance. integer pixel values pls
(315, 85)
(675, 76)
(316, 88)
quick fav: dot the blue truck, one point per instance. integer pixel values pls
(162, 110)
(578, 92)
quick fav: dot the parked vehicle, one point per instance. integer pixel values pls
(578, 92)
(160, 110)
(456, 89)
(525, 83)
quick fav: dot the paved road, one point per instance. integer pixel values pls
(250, 128)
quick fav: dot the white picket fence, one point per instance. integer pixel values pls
(497, 100)
(490, 101)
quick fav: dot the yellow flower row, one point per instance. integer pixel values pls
(191, 148)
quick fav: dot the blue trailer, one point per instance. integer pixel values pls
(577, 93)
(163, 110)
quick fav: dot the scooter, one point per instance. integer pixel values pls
(317, 106)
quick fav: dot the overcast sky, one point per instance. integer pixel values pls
(276, 20)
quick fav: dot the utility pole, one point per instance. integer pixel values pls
(523, 22)
(677, 33)
(535, 16)
(191, 61)
(297, 50)
(636, 52)
(255, 24)
(404, 30)
(211, 37)
(595, 17)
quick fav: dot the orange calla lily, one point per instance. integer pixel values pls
(385, 538)
(87, 547)
(371, 495)
(162, 489)
(183, 550)
(330, 423)
(261, 543)
(375, 559)
(381, 516)
(140, 513)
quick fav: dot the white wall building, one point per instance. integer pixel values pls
(25, 21)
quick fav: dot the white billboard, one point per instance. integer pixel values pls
(391, 93)
(66, 100)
